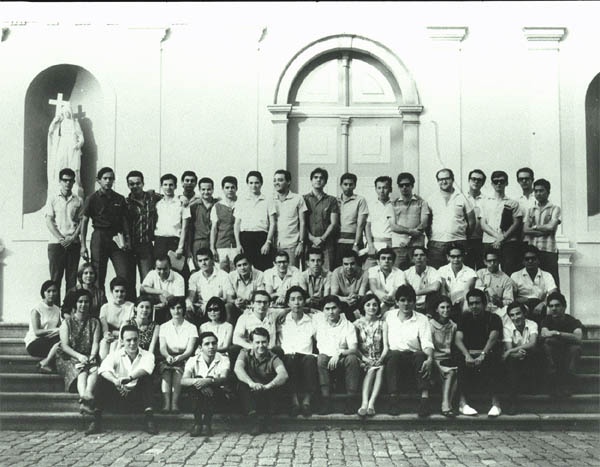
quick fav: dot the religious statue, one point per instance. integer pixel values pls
(65, 140)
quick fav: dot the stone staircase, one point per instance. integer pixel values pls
(30, 400)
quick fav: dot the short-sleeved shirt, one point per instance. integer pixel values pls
(495, 285)
(222, 216)
(260, 370)
(539, 287)
(249, 321)
(379, 216)
(411, 214)
(170, 217)
(279, 286)
(565, 323)
(319, 212)
(196, 366)
(390, 283)
(513, 335)
(443, 338)
(317, 286)
(253, 213)
(120, 365)
(543, 215)
(344, 286)
(476, 331)
(495, 211)
(476, 203)
(287, 214)
(141, 215)
(457, 284)
(332, 339)
(115, 315)
(223, 331)
(174, 284)
(351, 209)
(200, 219)
(419, 281)
(296, 337)
(177, 339)
(526, 203)
(65, 212)
(244, 288)
(215, 285)
(107, 210)
(449, 218)
(413, 334)
(49, 317)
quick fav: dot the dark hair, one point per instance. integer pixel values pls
(405, 176)
(489, 250)
(46, 285)
(259, 292)
(189, 173)
(229, 179)
(514, 305)
(314, 251)
(135, 173)
(282, 253)
(83, 267)
(163, 258)
(168, 177)
(259, 331)
(542, 182)
(384, 179)
(368, 298)
(118, 281)
(321, 171)
(172, 302)
(255, 173)
(205, 252)
(387, 251)
(240, 257)
(66, 171)
(478, 171)
(331, 299)
(556, 296)
(477, 293)
(286, 173)
(407, 292)
(455, 246)
(143, 298)
(102, 171)
(531, 249)
(525, 169)
(442, 299)
(129, 327)
(450, 173)
(295, 288)
(348, 176)
(350, 254)
(417, 247)
(499, 174)
(206, 180)
(212, 301)
(77, 294)
(204, 335)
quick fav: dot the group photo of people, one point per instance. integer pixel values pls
(226, 297)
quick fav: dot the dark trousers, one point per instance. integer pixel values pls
(140, 397)
(252, 242)
(142, 258)
(512, 257)
(402, 258)
(41, 346)
(561, 359)
(485, 376)
(302, 371)
(162, 245)
(348, 367)
(437, 252)
(205, 404)
(522, 374)
(399, 364)
(474, 256)
(261, 402)
(549, 263)
(102, 248)
(65, 261)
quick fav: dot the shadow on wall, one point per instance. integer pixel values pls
(82, 90)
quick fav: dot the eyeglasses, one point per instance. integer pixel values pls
(455, 256)
(499, 181)
(67, 180)
(444, 179)
(213, 308)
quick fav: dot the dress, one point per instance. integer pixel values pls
(145, 335)
(370, 339)
(80, 335)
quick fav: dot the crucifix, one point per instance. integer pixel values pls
(80, 113)
(58, 102)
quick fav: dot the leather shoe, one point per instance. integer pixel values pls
(256, 429)
(305, 410)
(424, 408)
(151, 427)
(93, 428)
(196, 430)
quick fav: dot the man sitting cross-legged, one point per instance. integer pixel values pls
(261, 374)
(205, 373)
(126, 377)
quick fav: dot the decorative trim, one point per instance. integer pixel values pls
(447, 33)
(544, 34)
(279, 112)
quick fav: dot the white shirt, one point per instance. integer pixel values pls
(177, 339)
(115, 315)
(413, 334)
(170, 217)
(196, 366)
(49, 319)
(244, 288)
(428, 277)
(223, 331)
(538, 288)
(449, 221)
(457, 284)
(332, 339)
(249, 321)
(512, 334)
(379, 215)
(174, 284)
(253, 213)
(65, 212)
(275, 285)
(297, 337)
(215, 285)
(118, 364)
(390, 283)
(491, 210)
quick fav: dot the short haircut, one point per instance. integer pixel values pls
(489, 250)
(205, 252)
(240, 257)
(450, 173)
(259, 331)
(542, 182)
(478, 171)
(206, 180)
(172, 302)
(455, 246)
(525, 169)
(514, 305)
(135, 173)
(163, 258)
(320, 170)
(331, 299)
(314, 251)
(46, 285)
(118, 281)
(367, 298)
(477, 293)
(82, 269)
(556, 296)
(77, 294)
(204, 335)
(264, 293)
(66, 171)
(443, 299)
(405, 176)
(499, 174)
(229, 179)
(168, 177)
(531, 249)
(212, 301)
(282, 253)
(348, 176)
(350, 254)
(407, 292)
(384, 179)
(254, 173)
(129, 327)
(189, 173)
(286, 173)
(295, 288)
(387, 251)
(103, 171)
(415, 248)
(143, 298)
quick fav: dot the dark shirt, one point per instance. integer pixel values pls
(476, 331)
(566, 323)
(107, 210)
(260, 370)
(319, 213)
(201, 224)
(142, 217)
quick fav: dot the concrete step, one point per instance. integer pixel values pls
(31, 382)
(12, 346)
(18, 364)
(589, 364)
(591, 347)
(592, 332)
(13, 329)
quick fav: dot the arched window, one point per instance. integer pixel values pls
(592, 119)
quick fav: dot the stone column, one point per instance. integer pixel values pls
(410, 140)
(279, 117)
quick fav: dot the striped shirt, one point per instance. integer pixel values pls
(543, 215)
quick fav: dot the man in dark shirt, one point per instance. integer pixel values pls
(108, 211)
(561, 339)
(200, 210)
(261, 373)
(479, 340)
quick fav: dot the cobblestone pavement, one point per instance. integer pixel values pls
(344, 447)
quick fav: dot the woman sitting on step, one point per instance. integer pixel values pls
(142, 319)
(86, 280)
(42, 338)
(77, 357)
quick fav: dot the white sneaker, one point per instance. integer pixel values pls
(494, 411)
(467, 410)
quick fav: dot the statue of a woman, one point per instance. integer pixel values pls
(65, 140)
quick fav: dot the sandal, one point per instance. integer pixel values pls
(362, 412)
(370, 412)
(45, 369)
(448, 414)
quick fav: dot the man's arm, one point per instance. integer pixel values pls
(239, 335)
(84, 228)
(334, 220)
(471, 221)
(281, 375)
(240, 373)
(236, 233)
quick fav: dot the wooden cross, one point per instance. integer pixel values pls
(80, 113)
(58, 101)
